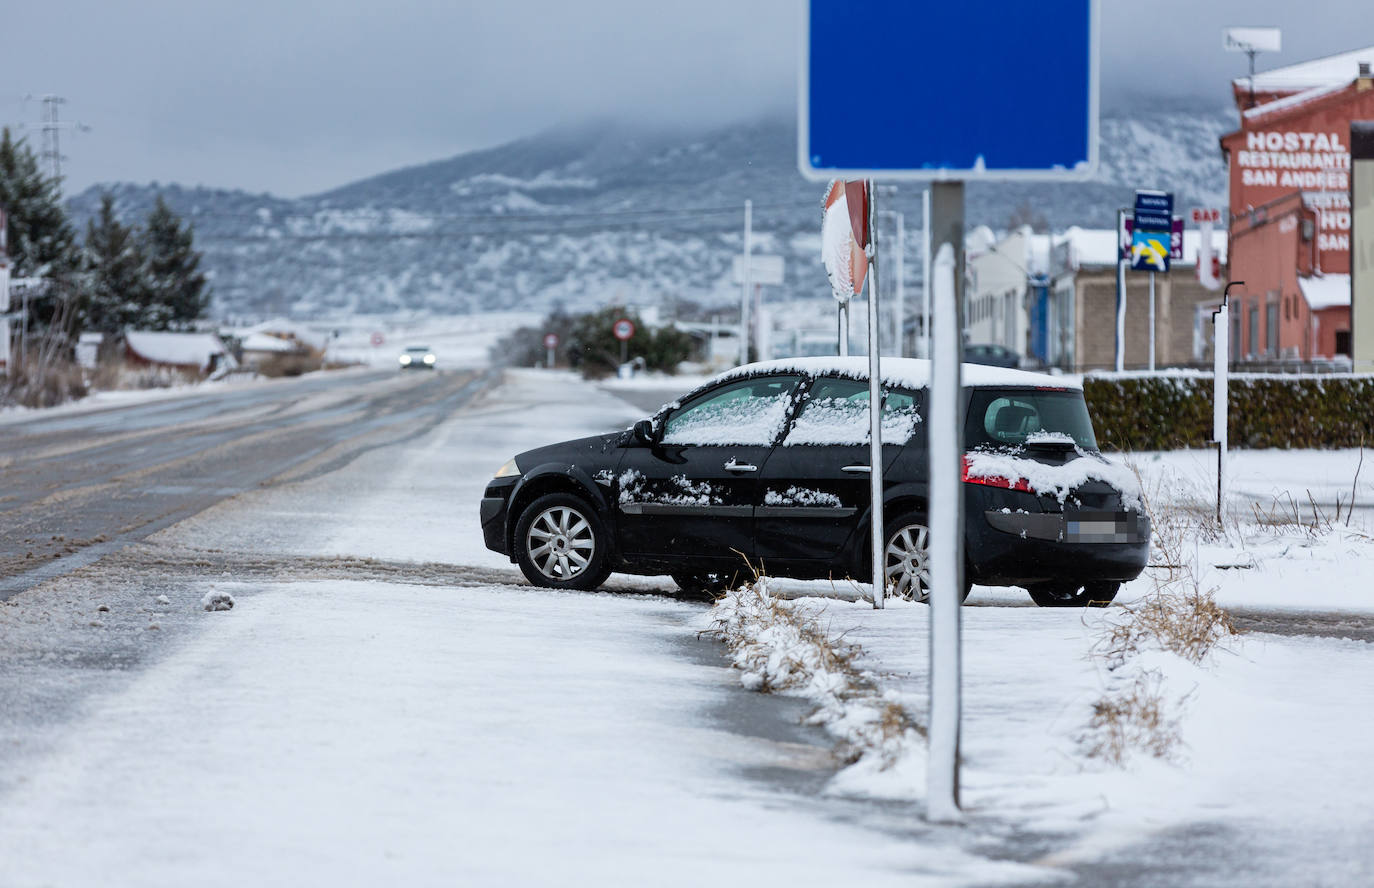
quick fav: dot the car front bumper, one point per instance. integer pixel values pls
(493, 512)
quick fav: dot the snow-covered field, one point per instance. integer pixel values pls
(435, 721)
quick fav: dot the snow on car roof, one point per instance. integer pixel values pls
(912, 373)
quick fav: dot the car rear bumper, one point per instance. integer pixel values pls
(1023, 548)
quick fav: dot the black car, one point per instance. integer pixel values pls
(991, 355)
(770, 462)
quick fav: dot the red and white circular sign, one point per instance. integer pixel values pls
(623, 329)
(378, 339)
(550, 340)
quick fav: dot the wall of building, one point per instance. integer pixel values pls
(1178, 298)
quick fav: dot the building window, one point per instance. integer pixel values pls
(1343, 342)
(1271, 329)
(1252, 341)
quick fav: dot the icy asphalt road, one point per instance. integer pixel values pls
(78, 485)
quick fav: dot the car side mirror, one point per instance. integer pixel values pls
(644, 432)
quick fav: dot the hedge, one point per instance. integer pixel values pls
(1173, 410)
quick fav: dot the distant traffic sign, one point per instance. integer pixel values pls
(892, 89)
(378, 339)
(623, 329)
(550, 340)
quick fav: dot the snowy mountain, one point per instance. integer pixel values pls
(606, 211)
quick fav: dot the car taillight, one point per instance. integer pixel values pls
(994, 480)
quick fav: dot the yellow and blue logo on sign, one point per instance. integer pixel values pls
(1149, 251)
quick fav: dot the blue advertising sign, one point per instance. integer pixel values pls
(1149, 250)
(892, 89)
(1152, 231)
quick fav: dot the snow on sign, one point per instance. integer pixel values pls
(623, 329)
(891, 89)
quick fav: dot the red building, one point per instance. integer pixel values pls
(1289, 168)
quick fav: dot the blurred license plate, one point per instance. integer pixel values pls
(1102, 527)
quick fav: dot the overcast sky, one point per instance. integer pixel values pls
(297, 97)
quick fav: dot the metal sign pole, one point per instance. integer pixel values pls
(946, 501)
(900, 265)
(1120, 295)
(1152, 322)
(877, 526)
(925, 272)
(843, 328)
(745, 293)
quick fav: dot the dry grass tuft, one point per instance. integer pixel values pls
(1135, 718)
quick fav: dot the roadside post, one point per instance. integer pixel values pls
(1221, 360)
(623, 330)
(551, 343)
(857, 63)
(746, 286)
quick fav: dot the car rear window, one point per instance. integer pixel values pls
(1004, 417)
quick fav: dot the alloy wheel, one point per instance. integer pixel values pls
(560, 542)
(907, 562)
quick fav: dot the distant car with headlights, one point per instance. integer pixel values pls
(770, 462)
(417, 357)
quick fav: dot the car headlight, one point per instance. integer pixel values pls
(509, 470)
(429, 359)
(405, 359)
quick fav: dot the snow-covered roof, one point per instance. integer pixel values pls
(178, 349)
(1296, 99)
(1340, 68)
(265, 342)
(912, 373)
(1326, 291)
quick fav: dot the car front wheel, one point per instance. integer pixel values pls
(561, 543)
(1073, 594)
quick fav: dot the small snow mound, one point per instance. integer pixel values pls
(163, 599)
(217, 601)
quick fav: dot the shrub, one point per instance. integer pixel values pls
(1167, 412)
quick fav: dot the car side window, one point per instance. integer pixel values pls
(748, 412)
(836, 412)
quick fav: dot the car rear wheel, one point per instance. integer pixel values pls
(907, 559)
(560, 543)
(1073, 595)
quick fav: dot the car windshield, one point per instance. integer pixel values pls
(1005, 417)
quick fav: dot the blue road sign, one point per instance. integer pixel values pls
(895, 89)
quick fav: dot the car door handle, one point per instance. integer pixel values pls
(732, 466)
(856, 470)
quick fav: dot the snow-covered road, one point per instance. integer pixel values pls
(424, 725)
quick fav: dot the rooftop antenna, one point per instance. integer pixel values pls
(1251, 41)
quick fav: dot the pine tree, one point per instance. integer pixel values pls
(42, 243)
(171, 270)
(117, 294)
